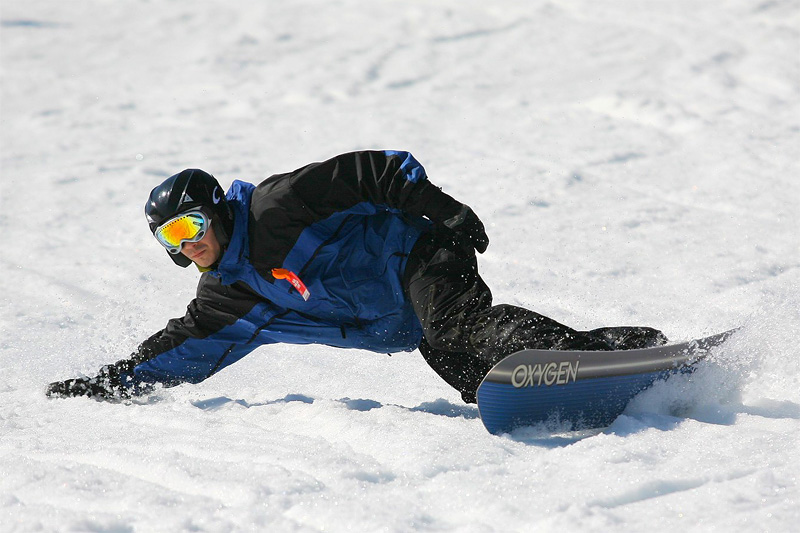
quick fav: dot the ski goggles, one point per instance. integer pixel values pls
(190, 226)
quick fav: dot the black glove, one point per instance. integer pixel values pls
(105, 386)
(467, 223)
(442, 209)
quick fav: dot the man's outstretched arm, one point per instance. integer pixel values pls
(213, 334)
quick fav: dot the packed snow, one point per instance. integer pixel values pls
(635, 163)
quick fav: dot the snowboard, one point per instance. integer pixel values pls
(590, 389)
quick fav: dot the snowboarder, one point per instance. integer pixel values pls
(360, 251)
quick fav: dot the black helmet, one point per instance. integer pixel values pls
(190, 189)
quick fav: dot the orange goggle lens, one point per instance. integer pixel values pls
(188, 227)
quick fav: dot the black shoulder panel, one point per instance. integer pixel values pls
(285, 204)
(277, 217)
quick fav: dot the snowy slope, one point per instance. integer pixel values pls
(635, 163)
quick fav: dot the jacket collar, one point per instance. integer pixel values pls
(236, 255)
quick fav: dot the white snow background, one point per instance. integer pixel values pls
(635, 163)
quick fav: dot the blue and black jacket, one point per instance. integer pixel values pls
(344, 228)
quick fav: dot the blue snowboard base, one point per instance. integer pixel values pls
(590, 389)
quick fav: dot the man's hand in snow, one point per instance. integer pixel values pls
(104, 386)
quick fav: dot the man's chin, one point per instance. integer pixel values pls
(202, 261)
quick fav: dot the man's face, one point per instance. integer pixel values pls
(204, 252)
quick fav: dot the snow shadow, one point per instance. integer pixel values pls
(212, 404)
(726, 415)
(440, 407)
(625, 425)
(767, 408)
(723, 415)
(545, 436)
(28, 23)
(559, 433)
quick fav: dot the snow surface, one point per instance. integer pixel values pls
(635, 163)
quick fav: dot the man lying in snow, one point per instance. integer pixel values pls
(360, 251)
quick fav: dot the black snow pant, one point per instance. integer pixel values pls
(465, 335)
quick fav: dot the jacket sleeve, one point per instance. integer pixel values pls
(391, 178)
(214, 333)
